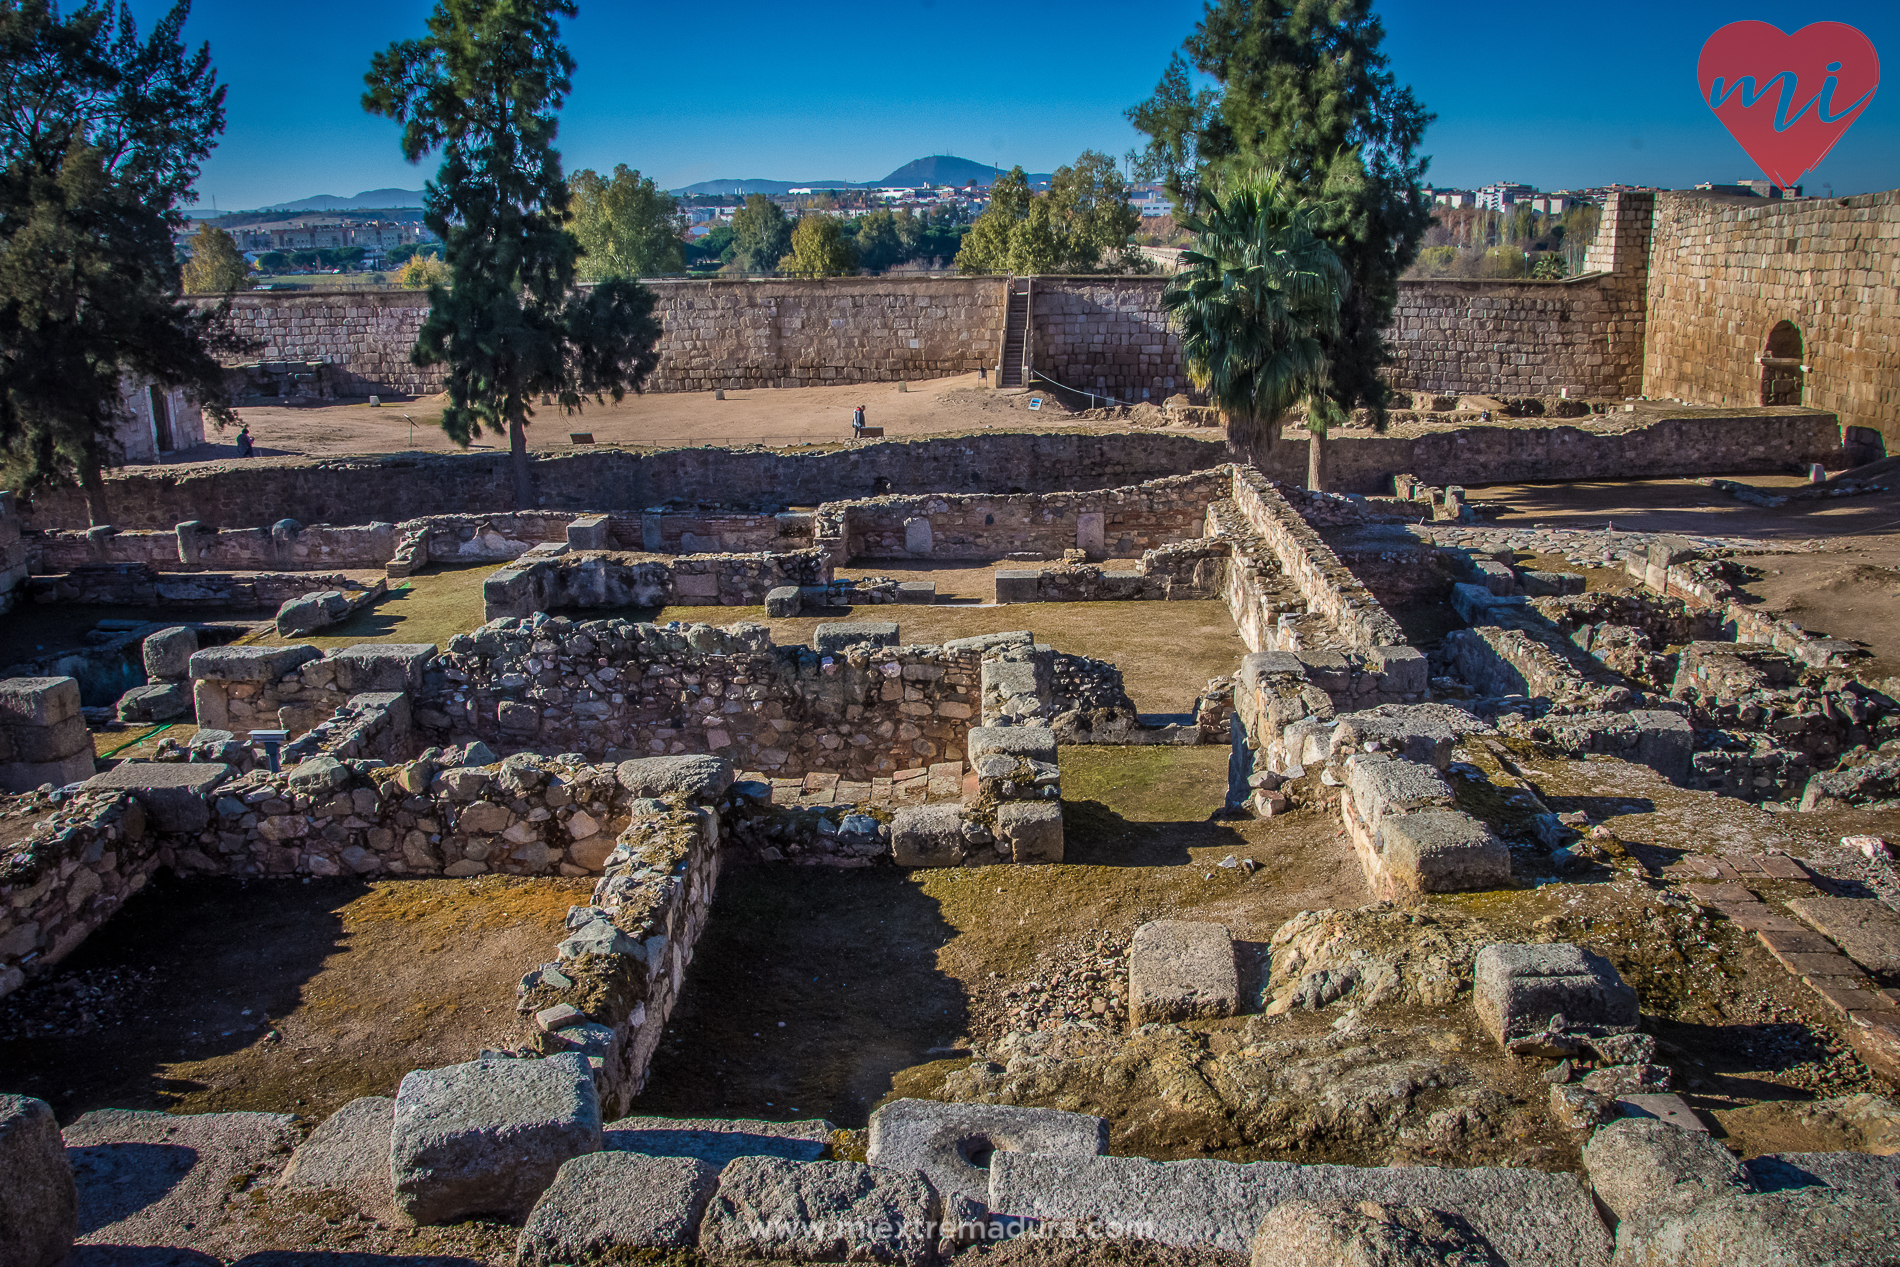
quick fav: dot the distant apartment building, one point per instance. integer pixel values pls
(1553, 204)
(1503, 196)
(1151, 200)
(1451, 197)
(329, 235)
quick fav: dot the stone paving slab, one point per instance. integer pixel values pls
(1758, 917)
(942, 781)
(1846, 995)
(1711, 894)
(718, 1140)
(1866, 930)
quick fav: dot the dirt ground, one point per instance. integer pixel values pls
(1849, 590)
(775, 416)
(206, 995)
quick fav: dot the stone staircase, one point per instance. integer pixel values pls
(1012, 370)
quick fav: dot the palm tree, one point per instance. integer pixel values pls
(1258, 294)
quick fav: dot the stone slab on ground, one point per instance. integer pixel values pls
(1531, 1218)
(1866, 930)
(349, 1153)
(718, 1140)
(157, 1179)
(249, 664)
(1181, 971)
(487, 1137)
(167, 653)
(38, 702)
(155, 701)
(823, 1211)
(917, 592)
(1518, 987)
(928, 836)
(834, 636)
(1442, 851)
(1383, 787)
(1798, 1227)
(173, 793)
(952, 1144)
(1875, 1037)
(39, 1207)
(1869, 1174)
(783, 601)
(1018, 585)
(605, 1205)
(1365, 1234)
(1027, 743)
(1030, 831)
(699, 777)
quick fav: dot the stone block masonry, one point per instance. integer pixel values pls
(1723, 272)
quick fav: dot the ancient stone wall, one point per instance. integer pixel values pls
(1107, 335)
(1117, 522)
(399, 487)
(365, 335)
(1723, 272)
(1518, 338)
(140, 585)
(645, 690)
(575, 582)
(1311, 565)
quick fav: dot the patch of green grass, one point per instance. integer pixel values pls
(433, 607)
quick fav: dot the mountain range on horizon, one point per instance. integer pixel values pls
(936, 169)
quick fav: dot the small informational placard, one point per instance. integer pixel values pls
(1035, 402)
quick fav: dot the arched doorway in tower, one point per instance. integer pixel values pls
(1781, 369)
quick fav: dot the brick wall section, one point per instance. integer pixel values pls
(1724, 271)
(399, 487)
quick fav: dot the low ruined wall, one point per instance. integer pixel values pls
(138, 585)
(711, 532)
(60, 885)
(642, 690)
(399, 487)
(577, 581)
(1311, 565)
(1114, 522)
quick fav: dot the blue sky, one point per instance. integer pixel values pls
(1573, 96)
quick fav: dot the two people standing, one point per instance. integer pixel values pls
(857, 422)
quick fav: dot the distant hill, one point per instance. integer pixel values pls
(368, 198)
(942, 169)
(938, 169)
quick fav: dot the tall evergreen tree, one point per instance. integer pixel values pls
(484, 87)
(101, 136)
(1302, 86)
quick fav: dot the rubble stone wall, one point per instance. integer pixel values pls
(605, 686)
(57, 888)
(576, 581)
(1117, 522)
(1723, 272)
(140, 585)
(399, 487)
(1519, 338)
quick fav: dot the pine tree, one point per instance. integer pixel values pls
(101, 136)
(1304, 88)
(484, 87)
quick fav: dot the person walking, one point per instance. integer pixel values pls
(244, 440)
(857, 422)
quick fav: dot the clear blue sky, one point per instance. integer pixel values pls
(1572, 96)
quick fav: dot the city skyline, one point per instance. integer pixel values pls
(791, 101)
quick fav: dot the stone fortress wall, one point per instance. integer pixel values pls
(1679, 294)
(1724, 271)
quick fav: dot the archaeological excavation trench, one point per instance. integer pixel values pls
(1047, 836)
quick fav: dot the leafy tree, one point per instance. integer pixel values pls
(421, 272)
(1303, 86)
(101, 136)
(279, 261)
(711, 249)
(878, 243)
(819, 249)
(216, 265)
(306, 260)
(484, 87)
(1257, 299)
(1081, 223)
(627, 226)
(761, 235)
(1090, 203)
